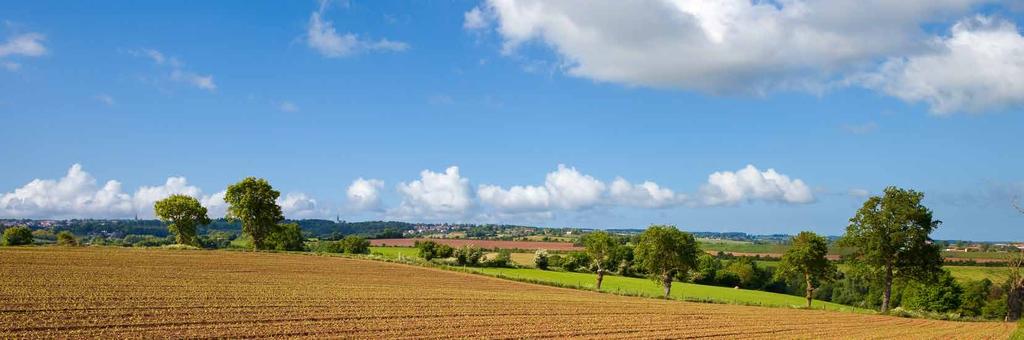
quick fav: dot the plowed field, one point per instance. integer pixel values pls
(112, 292)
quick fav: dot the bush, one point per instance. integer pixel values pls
(503, 259)
(941, 296)
(16, 236)
(43, 234)
(286, 237)
(66, 238)
(468, 256)
(576, 261)
(145, 241)
(540, 259)
(355, 245)
(216, 239)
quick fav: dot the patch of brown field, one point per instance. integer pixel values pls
(48, 292)
(486, 244)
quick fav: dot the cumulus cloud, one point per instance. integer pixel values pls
(757, 47)
(27, 45)
(435, 195)
(364, 194)
(981, 63)
(516, 199)
(750, 184)
(178, 71)
(647, 194)
(147, 195)
(565, 188)
(297, 205)
(325, 39)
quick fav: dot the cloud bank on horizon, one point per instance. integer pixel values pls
(760, 47)
(434, 196)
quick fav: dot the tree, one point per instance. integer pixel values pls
(468, 255)
(286, 237)
(16, 236)
(664, 252)
(355, 245)
(183, 214)
(890, 234)
(1015, 295)
(66, 238)
(600, 246)
(254, 202)
(806, 256)
(540, 259)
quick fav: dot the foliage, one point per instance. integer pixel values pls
(540, 259)
(941, 295)
(253, 202)
(502, 259)
(600, 246)
(16, 236)
(145, 241)
(707, 269)
(43, 234)
(355, 245)
(575, 261)
(974, 296)
(806, 258)
(66, 238)
(890, 234)
(429, 250)
(216, 239)
(468, 255)
(286, 237)
(664, 252)
(183, 215)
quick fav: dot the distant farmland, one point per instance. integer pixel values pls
(486, 244)
(121, 292)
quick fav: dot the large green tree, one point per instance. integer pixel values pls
(665, 252)
(16, 236)
(183, 215)
(254, 202)
(600, 246)
(890, 235)
(806, 256)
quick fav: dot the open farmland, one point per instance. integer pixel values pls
(118, 292)
(486, 244)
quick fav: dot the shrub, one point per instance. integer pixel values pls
(355, 245)
(468, 256)
(286, 237)
(576, 261)
(66, 238)
(503, 259)
(540, 259)
(16, 236)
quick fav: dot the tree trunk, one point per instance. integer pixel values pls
(600, 277)
(667, 282)
(810, 289)
(1013, 301)
(887, 292)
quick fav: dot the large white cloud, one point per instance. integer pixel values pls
(756, 47)
(322, 37)
(364, 194)
(146, 196)
(978, 67)
(750, 184)
(74, 195)
(647, 194)
(435, 195)
(565, 189)
(297, 205)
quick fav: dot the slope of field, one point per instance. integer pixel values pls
(115, 292)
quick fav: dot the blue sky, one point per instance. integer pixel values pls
(839, 103)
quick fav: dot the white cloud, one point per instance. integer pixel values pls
(978, 67)
(435, 195)
(858, 193)
(215, 205)
(647, 194)
(106, 99)
(750, 184)
(572, 190)
(565, 188)
(322, 37)
(27, 45)
(475, 19)
(74, 195)
(297, 205)
(758, 47)
(364, 194)
(287, 106)
(146, 196)
(178, 71)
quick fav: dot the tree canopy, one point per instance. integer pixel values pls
(600, 246)
(891, 236)
(16, 236)
(806, 256)
(664, 252)
(183, 215)
(254, 202)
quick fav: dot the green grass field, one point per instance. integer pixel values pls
(647, 287)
